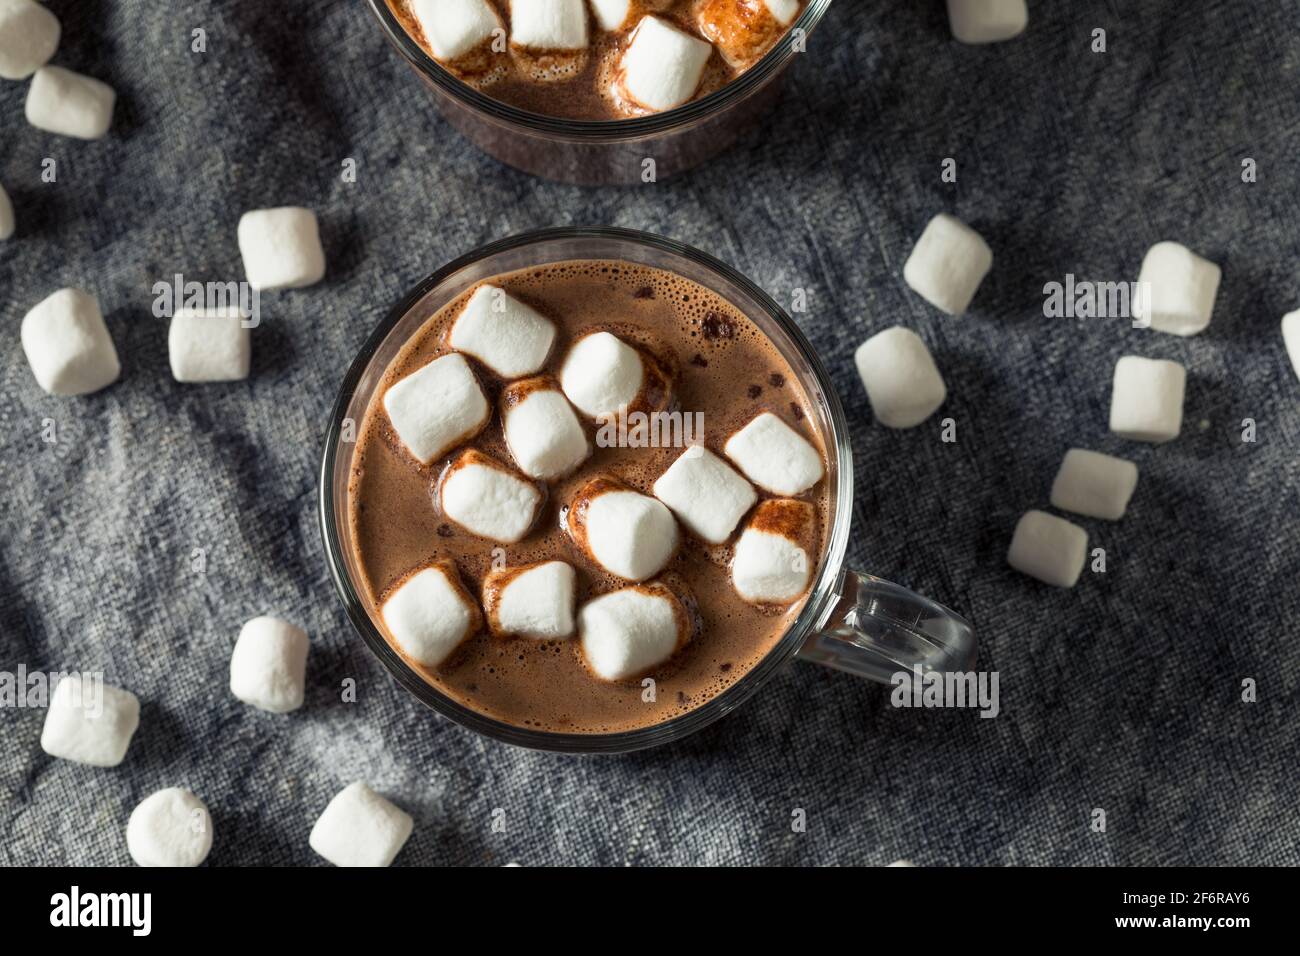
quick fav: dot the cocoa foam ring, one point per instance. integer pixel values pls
(532, 600)
(773, 561)
(626, 533)
(487, 498)
(602, 374)
(542, 431)
(430, 614)
(627, 633)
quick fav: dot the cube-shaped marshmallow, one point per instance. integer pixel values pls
(1176, 290)
(503, 333)
(1090, 483)
(534, 600)
(626, 633)
(90, 722)
(488, 499)
(281, 248)
(68, 345)
(453, 28)
(548, 24)
(611, 14)
(1146, 402)
(663, 65)
(171, 827)
(771, 563)
(625, 532)
(705, 494)
(431, 614)
(774, 456)
(903, 384)
(29, 35)
(1048, 548)
(542, 430)
(1291, 338)
(987, 21)
(948, 264)
(437, 407)
(268, 667)
(360, 828)
(743, 30)
(210, 345)
(601, 374)
(69, 104)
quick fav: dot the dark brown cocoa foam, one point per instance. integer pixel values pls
(726, 368)
(577, 86)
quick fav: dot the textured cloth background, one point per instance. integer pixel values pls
(1123, 693)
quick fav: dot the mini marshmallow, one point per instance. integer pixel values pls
(663, 65)
(541, 429)
(1048, 548)
(743, 30)
(1182, 288)
(454, 27)
(431, 614)
(89, 722)
(771, 564)
(626, 633)
(68, 345)
(548, 24)
(29, 35)
(502, 333)
(69, 104)
(601, 373)
(281, 248)
(1093, 484)
(948, 264)
(774, 456)
(437, 407)
(627, 533)
(487, 499)
(169, 828)
(987, 21)
(903, 384)
(268, 667)
(903, 863)
(6, 215)
(1146, 403)
(705, 494)
(535, 601)
(611, 14)
(1291, 338)
(209, 345)
(360, 828)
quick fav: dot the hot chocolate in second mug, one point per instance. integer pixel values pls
(851, 621)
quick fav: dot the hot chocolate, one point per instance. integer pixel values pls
(641, 495)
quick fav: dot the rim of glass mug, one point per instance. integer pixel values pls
(442, 286)
(750, 81)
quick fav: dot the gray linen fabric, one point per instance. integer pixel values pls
(1122, 694)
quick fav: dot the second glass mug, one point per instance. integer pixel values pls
(851, 621)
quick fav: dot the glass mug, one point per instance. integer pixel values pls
(851, 621)
(602, 152)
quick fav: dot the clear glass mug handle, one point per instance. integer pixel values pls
(879, 629)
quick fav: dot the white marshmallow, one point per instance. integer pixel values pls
(268, 667)
(541, 429)
(1146, 403)
(627, 533)
(743, 30)
(281, 248)
(784, 10)
(454, 27)
(431, 614)
(69, 104)
(533, 601)
(360, 828)
(774, 456)
(29, 35)
(1291, 338)
(90, 722)
(987, 21)
(602, 373)
(68, 345)
(611, 14)
(1182, 288)
(548, 24)
(705, 494)
(169, 828)
(770, 564)
(487, 499)
(438, 407)
(209, 345)
(948, 264)
(903, 863)
(501, 332)
(1093, 484)
(903, 384)
(6, 215)
(663, 66)
(626, 633)
(1048, 548)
